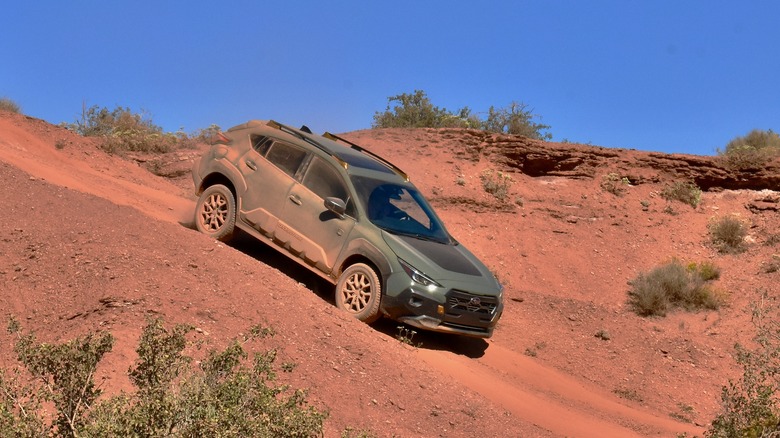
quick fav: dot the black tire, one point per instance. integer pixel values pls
(215, 212)
(359, 292)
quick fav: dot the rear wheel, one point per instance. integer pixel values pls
(359, 292)
(215, 212)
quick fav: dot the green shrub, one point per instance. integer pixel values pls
(613, 183)
(516, 119)
(727, 234)
(9, 105)
(749, 405)
(496, 183)
(223, 397)
(415, 110)
(673, 285)
(751, 152)
(705, 270)
(123, 130)
(64, 376)
(685, 192)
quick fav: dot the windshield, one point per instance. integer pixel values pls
(400, 209)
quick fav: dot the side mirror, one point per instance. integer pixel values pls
(336, 205)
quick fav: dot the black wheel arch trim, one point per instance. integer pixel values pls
(221, 173)
(365, 250)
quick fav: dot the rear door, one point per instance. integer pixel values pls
(270, 168)
(306, 227)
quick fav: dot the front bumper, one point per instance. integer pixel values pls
(453, 311)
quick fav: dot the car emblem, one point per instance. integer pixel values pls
(475, 301)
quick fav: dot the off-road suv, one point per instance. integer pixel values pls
(349, 216)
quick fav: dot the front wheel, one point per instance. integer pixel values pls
(359, 292)
(215, 212)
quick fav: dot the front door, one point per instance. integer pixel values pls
(306, 227)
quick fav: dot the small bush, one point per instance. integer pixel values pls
(223, 397)
(206, 135)
(9, 105)
(415, 110)
(673, 285)
(749, 405)
(688, 193)
(727, 234)
(751, 152)
(516, 119)
(62, 374)
(123, 130)
(613, 183)
(705, 270)
(496, 183)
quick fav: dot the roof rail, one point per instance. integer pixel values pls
(297, 133)
(311, 141)
(367, 152)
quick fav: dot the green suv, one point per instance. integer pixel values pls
(352, 218)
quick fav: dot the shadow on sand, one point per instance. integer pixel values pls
(466, 346)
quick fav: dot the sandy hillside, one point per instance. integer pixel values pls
(99, 242)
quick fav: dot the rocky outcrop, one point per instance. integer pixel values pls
(538, 158)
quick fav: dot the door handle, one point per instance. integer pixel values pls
(296, 199)
(251, 164)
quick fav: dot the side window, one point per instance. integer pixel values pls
(261, 143)
(285, 156)
(322, 179)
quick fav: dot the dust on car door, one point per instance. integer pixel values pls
(307, 227)
(269, 167)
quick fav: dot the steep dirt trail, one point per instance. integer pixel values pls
(108, 177)
(549, 399)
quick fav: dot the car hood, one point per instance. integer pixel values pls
(443, 262)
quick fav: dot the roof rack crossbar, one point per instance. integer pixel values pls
(367, 152)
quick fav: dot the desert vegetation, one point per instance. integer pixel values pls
(614, 183)
(9, 105)
(685, 192)
(223, 395)
(674, 285)
(123, 130)
(727, 234)
(496, 183)
(750, 403)
(752, 151)
(415, 110)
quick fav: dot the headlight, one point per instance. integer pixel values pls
(417, 276)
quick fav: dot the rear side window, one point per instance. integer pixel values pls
(285, 156)
(261, 143)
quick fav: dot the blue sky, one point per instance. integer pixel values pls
(669, 76)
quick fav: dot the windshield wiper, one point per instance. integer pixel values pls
(420, 236)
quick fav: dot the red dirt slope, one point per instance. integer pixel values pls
(97, 242)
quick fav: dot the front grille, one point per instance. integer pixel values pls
(463, 301)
